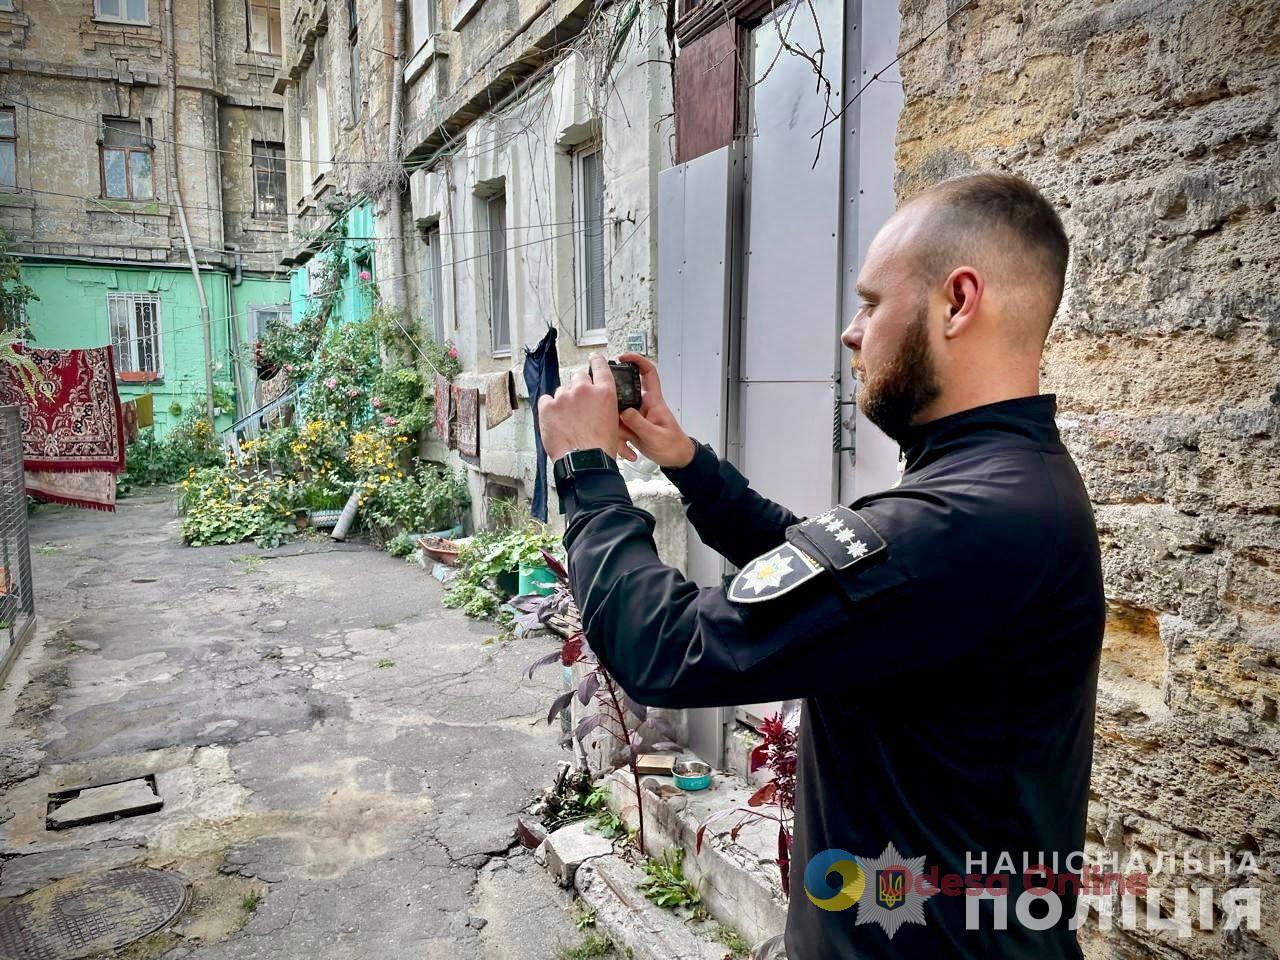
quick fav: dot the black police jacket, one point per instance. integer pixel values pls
(945, 636)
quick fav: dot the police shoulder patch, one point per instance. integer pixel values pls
(839, 538)
(772, 574)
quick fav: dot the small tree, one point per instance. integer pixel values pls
(15, 294)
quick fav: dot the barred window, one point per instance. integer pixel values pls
(135, 334)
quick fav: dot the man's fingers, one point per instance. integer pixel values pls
(640, 428)
(649, 382)
(600, 372)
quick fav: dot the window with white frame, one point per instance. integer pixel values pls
(122, 11)
(135, 334)
(422, 22)
(261, 316)
(435, 285)
(8, 148)
(263, 25)
(496, 236)
(588, 178)
(126, 159)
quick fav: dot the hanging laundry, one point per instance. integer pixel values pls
(541, 376)
(455, 400)
(469, 426)
(499, 398)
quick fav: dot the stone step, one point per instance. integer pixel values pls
(642, 930)
(738, 879)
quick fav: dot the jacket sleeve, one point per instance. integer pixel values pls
(730, 517)
(673, 644)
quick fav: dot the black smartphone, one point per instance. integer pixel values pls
(626, 377)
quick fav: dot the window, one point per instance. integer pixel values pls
(268, 179)
(589, 212)
(263, 24)
(135, 334)
(422, 14)
(124, 11)
(496, 229)
(126, 160)
(6, 5)
(8, 148)
(353, 43)
(322, 148)
(435, 287)
(260, 317)
(305, 123)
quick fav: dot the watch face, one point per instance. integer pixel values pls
(588, 460)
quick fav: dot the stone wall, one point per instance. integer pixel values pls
(1152, 126)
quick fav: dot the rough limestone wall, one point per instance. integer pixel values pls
(1152, 125)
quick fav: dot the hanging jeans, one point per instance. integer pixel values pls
(541, 376)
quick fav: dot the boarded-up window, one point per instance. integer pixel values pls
(135, 334)
(499, 320)
(268, 179)
(589, 212)
(8, 149)
(126, 160)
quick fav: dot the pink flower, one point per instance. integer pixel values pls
(331, 382)
(453, 352)
(353, 392)
(365, 275)
(390, 421)
(288, 368)
(375, 403)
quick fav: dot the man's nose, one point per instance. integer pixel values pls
(852, 336)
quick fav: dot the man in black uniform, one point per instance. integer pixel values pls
(944, 634)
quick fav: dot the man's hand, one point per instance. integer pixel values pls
(582, 415)
(653, 428)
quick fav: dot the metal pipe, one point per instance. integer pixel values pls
(206, 320)
(395, 199)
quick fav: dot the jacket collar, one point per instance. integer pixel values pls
(1023, 421)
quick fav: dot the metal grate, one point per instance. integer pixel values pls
(17, 597)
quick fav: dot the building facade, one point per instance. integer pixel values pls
(102, 158)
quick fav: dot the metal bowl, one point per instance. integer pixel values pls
(692, 774)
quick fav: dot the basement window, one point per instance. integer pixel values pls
(588, 177)
(263, 23)
(121, 11)
(125, 159)
(268, 179)
(8, 148)
(135, 335)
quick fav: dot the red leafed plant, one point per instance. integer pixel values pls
(776, 753)
(617, 714)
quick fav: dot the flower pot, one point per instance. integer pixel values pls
(536, 578)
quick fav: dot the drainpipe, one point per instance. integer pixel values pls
(206, 321)
(395, 209)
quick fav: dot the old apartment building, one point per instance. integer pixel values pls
(521, 194)
(120, 120)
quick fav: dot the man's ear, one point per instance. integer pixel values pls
(963, 291)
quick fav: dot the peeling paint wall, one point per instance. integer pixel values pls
(1153, 128)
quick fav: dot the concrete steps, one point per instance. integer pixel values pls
(644, 931)
(738, 878)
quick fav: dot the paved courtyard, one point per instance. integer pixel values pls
(340, 757)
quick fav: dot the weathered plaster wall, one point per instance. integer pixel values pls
(526, 152)
(1152, 126)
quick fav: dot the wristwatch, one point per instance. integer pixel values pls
(581, 461)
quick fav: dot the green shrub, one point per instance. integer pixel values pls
(222, 507)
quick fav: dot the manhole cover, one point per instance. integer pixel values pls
(81, 916)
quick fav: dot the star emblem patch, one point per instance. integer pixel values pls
(772, 574)
(838, 538)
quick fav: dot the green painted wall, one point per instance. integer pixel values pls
(72, 312)
(357, 300)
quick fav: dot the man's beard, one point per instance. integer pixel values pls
(905, 385)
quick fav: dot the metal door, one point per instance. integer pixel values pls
(789, 325)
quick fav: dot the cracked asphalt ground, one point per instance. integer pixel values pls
(341, 758)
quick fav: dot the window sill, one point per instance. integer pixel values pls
(119, 22)
(150, 208)
(137, 379)
(463, 12)
(437, 45)
(501, 354)
(593, 338)
(13, 198)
